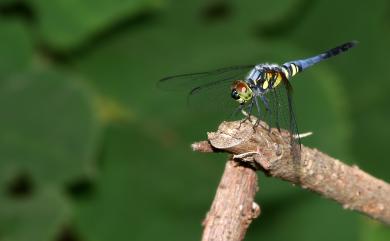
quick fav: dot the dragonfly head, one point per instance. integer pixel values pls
(241, 92)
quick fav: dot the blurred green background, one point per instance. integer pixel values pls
(91, 150)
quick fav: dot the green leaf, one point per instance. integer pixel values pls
(49, 127)
(264, 12)
(304, 217)
(234, 16)
(69, 23)
(39, 217)
(374, 231)
(15, 47)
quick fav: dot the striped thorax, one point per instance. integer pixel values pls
(268, 76)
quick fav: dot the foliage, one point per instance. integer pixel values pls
(91, 150)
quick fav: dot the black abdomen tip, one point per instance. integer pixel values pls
(342, 48)
(350, 44)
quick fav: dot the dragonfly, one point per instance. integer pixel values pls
(264, 87)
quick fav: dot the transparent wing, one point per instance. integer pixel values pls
(208, 91)
(213, 99)
(281, 115)
(202, 80)
(286, 117)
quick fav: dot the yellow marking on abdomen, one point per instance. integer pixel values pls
(293, 69)
(285, 72)
(296, 68)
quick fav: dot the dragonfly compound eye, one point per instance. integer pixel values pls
(235, 94)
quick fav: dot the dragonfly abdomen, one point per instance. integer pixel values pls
(303, 64)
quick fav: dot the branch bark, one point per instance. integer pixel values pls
(233, 208)
(353, 188)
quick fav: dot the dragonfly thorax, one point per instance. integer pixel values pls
(265, 76)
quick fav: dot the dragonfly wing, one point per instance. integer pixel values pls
(191, 82)
(214, 98)
(281, 114)
(208, 91)
(293, 127)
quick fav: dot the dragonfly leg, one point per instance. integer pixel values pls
(265, 101)
(268, 110)
(276, 108)
(258, 111)
(247, 115)
(250, 112)
(238, 109)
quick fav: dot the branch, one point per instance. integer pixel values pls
(233, 208)
(316, 171)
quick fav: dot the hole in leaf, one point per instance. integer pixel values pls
(81, 188)
(17, 9)
(21, 186)
(68, 234)
(215, 11)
